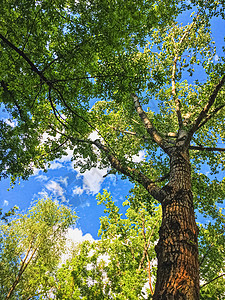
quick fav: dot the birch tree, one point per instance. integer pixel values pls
(32, 245)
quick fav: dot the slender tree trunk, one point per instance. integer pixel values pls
(177, 249)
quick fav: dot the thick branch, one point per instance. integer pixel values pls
(149, 126)
(205, 110)
(200, 148)
(132, 173)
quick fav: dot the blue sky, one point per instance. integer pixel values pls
(69, 186)
(78, 190)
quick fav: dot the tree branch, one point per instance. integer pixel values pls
(149, 126)
(206, 254)
(128, 132)
(132, 173)
(205, 110)
(21, 270)
(176, 100)
(215, 111)
(25, 57)
(201, 148)
(212, 280)
(48, 82)
(55, 111)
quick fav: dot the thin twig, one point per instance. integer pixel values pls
(213, 113)
(201, 148)
(212, 280)
(205, 110)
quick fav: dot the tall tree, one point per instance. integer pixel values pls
(31, 247)
(136, 64)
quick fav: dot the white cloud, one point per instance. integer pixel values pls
(93, 179)
(94, 136)
(56, 165)
(76, 236)
(78, 190)
(67, 157)
(35, 170)
(43, 194)
(56, 189)
(42, 178)
(11, 123)
(63, 180)
(139, 157)
(5, 203)
(216, 57)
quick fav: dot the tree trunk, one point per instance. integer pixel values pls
(177, 249)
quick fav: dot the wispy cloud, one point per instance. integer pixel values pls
(42, 178)
(42, 194)
(63, 180)
(78, 190)
(5, 203)
(56, 165)
(56, 189)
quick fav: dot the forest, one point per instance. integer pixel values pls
(110, 81)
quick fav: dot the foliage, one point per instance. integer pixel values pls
(31, 247)
(119, 265)
(212, 252)
(7, 215)
(36, 86)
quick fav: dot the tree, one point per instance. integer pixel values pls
(137, 63)
(31, 247)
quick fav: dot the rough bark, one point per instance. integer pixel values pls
(177, 249)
